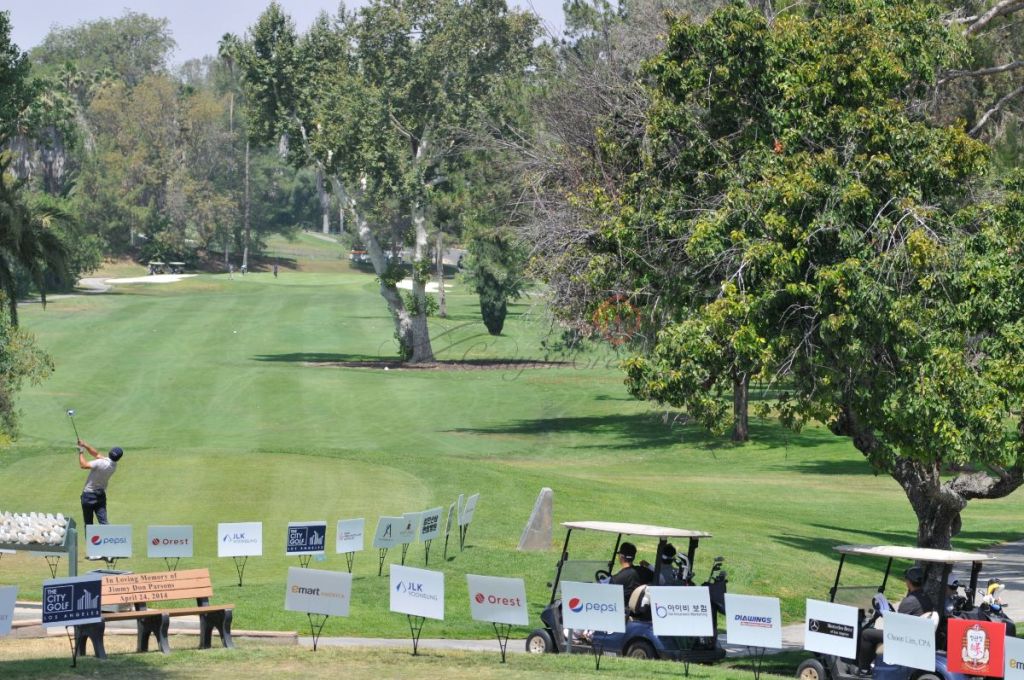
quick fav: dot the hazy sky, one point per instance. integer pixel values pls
(197, 25)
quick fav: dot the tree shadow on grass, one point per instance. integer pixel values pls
(827, 466)
(643, 431)
(119, 665)
(319, 357)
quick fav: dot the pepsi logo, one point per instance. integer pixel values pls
(96, 540)
(480, 599)
(576, 604)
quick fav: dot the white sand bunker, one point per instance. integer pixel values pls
(154, 278)
(406, 284)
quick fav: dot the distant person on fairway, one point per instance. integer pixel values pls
(94, 495)
(275, 270)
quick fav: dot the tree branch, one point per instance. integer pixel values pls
(981, 72)
(994, 110)
(997, 483)
(1001, 8)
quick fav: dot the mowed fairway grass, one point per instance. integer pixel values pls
(212, 388)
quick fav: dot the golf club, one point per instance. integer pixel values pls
(71, 414)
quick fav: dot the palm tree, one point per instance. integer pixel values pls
(27, 239)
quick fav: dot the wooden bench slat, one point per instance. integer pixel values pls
(131, 598)
(128, 616)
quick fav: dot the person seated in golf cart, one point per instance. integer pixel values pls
(629, 576)
(916, 603)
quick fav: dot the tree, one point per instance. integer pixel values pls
(382, 103)
(860, 261)
(133, 47)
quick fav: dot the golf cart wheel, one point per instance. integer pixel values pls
(641, 649)
(811, 669)
(540, 642)
(928, 676)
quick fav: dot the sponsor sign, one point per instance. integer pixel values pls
(975, 647)
(71, 601)
(108, 540)
(683, 612)
(1013, 668)
(593, 606)
(386, 535)
(350, 535)
(409, 529)
(831, 629)
(306, 538)
(909, 641)
(316, 591)
(169, 541)
(240, 539)
(497, 600)
(417, 592)
(753, 621)
(431, 526)
(466, 515)
(8, 595)
(448, 525)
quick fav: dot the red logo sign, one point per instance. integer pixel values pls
(976, 647)
(156, 541)
(96, 540)
(480, 598)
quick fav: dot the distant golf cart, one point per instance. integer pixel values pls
(157, 267)
(639, 640)
(865, 598)
(177, 267)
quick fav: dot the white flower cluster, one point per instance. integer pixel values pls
(33, 527)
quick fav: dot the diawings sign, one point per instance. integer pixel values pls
(753, 621)
(316, 591)
(593, 606)
(108, 540)
(306, 538)
(386, 535)
(8, 595)
(71, 601)
(682, 612)
(909, 641)
(831, 629)
(497, 600)
(417, 592)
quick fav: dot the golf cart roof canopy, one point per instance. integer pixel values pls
(916, 554)
(636, 529)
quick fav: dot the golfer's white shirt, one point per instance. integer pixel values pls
(101, 470)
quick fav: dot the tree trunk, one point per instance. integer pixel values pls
(325, 202)
(246, 224)
(442, 306)
(399, 314)
(421, 351)
(740, 406)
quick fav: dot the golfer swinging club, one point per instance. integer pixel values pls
(94, 495)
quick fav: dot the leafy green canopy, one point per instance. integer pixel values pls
(796, 217)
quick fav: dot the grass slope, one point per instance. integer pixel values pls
(207, 385)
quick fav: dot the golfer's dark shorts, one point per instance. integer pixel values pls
(94, 503)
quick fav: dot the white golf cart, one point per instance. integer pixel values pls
(639, 640)
(826, 667)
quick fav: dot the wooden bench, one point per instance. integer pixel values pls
(141, 590)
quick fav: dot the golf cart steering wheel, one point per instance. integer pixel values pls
(601, 575)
